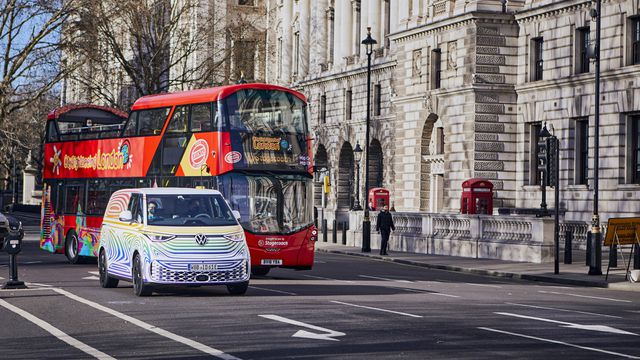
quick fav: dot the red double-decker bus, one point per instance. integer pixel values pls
(249, 141)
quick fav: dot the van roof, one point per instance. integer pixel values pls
(173, 191)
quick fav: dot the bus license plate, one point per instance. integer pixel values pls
(203, 267)
(271, 262)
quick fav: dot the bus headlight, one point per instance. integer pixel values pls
(235, 237)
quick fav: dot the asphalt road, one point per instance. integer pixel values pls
(345, 308)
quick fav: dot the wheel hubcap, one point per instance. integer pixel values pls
(73, 247)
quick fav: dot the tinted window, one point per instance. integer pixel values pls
(97, 197)
(172, 153)
(267, 111)
(150, 122)
(135, 206)
(132, 125)
(201, 117)
(179, 120)
(188, 210)
(74, 199)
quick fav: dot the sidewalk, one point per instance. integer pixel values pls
(570, 274)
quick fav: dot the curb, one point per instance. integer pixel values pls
(501, 274)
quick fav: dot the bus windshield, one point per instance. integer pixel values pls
(188, 210)
(274, 204)
(266, 111)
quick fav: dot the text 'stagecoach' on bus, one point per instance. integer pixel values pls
(249, 141)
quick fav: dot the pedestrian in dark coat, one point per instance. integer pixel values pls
(384, 227)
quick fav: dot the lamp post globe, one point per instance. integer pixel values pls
(368, 42)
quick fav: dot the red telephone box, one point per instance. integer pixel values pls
(378, 197)
(477, 197)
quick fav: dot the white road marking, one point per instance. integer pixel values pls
(319, 262)
(326, 278)
(445, 295)
(485, 285)
(41, 285)
(275, 291)
(565, 310)
(601, 328)
(194, 344)
(33, 262)
(377, 309)
(96, 273)
(560, 343)
(327, 334)
(385, 279)
(91, 278)
(57, 332)
(1, 278)
(583, 296)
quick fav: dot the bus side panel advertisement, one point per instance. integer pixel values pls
(200, 156)
(128, 157)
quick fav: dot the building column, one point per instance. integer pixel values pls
(331, 39)
(346, 28)
(287, 43)
(393, 15)
(373, 20)
(305, 45)
(403, 13)
(318, 36)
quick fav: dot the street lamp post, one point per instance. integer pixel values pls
(595, 261)
(366, 223)
(357, 154)
(543, 166)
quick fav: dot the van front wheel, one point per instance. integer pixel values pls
(238, 288)
(139, 286)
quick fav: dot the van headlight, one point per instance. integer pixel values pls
(235, 237)
(159, 237)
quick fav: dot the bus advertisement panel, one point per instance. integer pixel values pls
(249, 141)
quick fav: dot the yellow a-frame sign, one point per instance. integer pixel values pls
(622, 231)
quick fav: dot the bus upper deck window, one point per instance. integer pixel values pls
(52, 132)
(201, 117)
(178, 123)
(150, 122)
(132, 124)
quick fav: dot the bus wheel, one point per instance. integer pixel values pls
(238, 288)
(106, 281)
(139, 287)
(71, 247)
(260, 270)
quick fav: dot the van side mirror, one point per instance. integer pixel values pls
(236, 214)
(126, 216)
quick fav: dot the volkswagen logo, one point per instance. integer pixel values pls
(201, 239)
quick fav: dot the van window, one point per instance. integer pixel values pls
(135, 206)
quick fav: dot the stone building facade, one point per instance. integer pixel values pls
(461, 89)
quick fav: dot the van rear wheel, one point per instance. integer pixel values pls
(260, 270)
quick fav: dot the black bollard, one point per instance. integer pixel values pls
(568, 249)
(588, 259)
(344, 233)
(636, 256)
(613, 256)
(335, 231)
(324, 230)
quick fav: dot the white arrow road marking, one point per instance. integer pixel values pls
(1, 278)
(560, 343)
(327, 333)
(584, 296)
(601, 328)
(378, 309)
(96, 273)
(386, 279)
(91, 278)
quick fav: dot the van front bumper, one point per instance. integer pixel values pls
(227, 272)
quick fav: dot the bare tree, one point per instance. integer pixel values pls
(29, 51)
(133, 48)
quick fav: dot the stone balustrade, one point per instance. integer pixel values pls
(515, 238)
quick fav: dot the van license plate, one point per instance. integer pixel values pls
(203, 267)
(271, 262)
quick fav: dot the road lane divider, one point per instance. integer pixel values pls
(325, 334)
(600, 328)
(272, 290)
(154, 329)
(57, 332)
(584, 296)
(385, 279)
(377, 309)
(564, 310)
(428, 292)
(560, 343)
(326, 278)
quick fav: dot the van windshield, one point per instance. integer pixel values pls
(188, 210)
